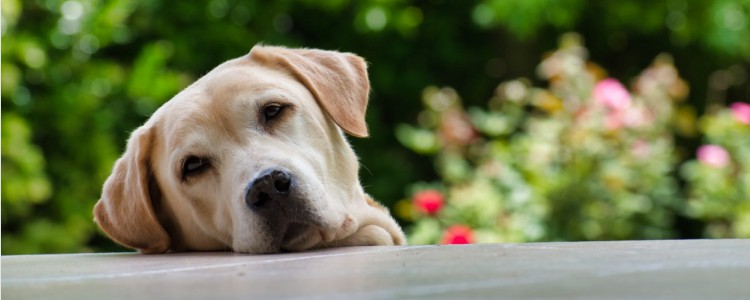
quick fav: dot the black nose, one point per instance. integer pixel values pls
(269, 186)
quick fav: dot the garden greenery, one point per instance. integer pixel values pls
(583, 159)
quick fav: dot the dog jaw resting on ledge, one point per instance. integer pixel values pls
(251, 158)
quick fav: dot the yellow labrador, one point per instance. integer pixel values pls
(251, 158)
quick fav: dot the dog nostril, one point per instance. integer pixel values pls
(281, 181)
(260, 200)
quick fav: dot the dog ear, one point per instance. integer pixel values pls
(125, 212)
(337, 80)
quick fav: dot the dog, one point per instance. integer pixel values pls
(251, 158)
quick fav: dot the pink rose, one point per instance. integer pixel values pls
(713, 155)
(631, 116)
(428, 201)
(458, 234)
(612, 94)
(741, 112)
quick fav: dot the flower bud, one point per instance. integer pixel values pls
(458, 234)
(428, 201)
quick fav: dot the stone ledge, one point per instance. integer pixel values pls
(686, 269)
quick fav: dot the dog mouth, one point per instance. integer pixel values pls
(294, 232)
(299, 236)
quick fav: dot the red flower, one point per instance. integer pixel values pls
(458, 234)
(428, 201)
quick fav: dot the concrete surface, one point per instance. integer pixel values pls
(696, 269)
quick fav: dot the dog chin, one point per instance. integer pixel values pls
(292, 237)
(301, 236)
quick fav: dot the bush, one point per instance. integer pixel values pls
(718, 179)
(583, 159)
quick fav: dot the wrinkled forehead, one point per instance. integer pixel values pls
(244, 79)
(217, 101)
(242, 76)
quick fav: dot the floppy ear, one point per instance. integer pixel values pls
(337, 80)
(125, 212)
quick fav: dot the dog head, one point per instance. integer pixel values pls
(251, 158)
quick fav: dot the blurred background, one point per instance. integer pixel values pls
(490, 120)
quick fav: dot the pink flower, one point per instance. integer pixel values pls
(458, 234)
(612, 94)
(632, 117)
(636, 116)
(713, 155)
(741, 112)
(614, 120)
(456, 128)
(428, 201)
(640, 149)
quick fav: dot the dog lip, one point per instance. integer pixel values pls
(294, 231)
(327, 236)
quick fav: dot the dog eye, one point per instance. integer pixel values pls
(194, 165)
(271, 111)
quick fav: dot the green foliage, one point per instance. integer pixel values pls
(26, 183)
(79, 75)
(584, 159)
(718, 195)
(526, 17)
(721, 25)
